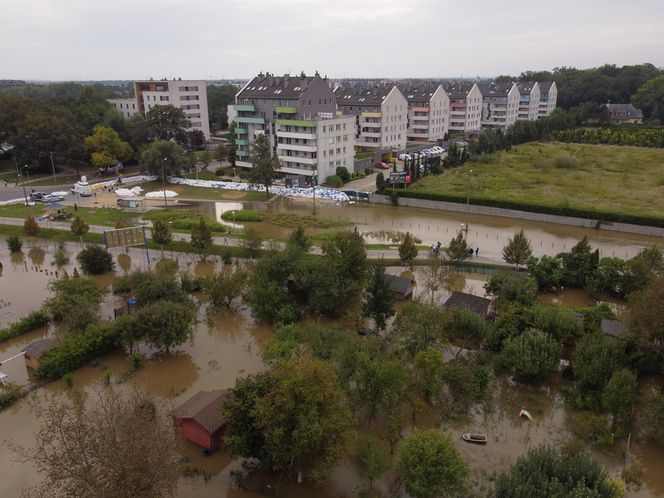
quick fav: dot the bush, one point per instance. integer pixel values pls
(563, 160)
(9, 393)
(342, 172)
(121, 284)
(394, 198)
(29, 322)
(95, 260)
(380, 182)
(334, 181)
(189, 223)
(14, 243)
(532, 355)
(243, 215)
(30, 226)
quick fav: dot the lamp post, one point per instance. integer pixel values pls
(25, 195)
(315, 181)
(163, 179)
(53, 167)
(470, 177)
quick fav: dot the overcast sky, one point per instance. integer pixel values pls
(135, 39)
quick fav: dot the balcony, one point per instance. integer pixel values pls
(242, 153)
(370, 124)
(419, 109)
(298, 171)
(361, 143)
(241, 131)
(241, 141)
(419, 118)
(371, 114)
(242, 119)
(296, 134)
(296, 159)
(286, 109)
(245, 107)
(305, 123)
(417, 135)
(298, 147)
(375, 134)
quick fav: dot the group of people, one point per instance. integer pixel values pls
(435, 250)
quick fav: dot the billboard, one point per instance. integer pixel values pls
(124, 237)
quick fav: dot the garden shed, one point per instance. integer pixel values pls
(36, 350)
(463, 300)
(200, 420)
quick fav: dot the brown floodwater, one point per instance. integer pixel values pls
(229, 346)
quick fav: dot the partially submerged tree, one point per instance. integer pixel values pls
(408, 250)
(518, 249)
(162, 233)
(372, 460)
(458, 250)
(79, 227)
(435, 276)
(95, 260)
(378, 298)
(201, 237)
(263, 164)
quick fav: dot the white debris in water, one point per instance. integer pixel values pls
(159, 194)
(129, 192)
(321, 192)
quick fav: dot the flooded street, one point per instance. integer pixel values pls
(229, 346)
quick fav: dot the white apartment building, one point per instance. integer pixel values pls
(188, 95)
(548, 97)
(529, 99)
(381, 115)
(428, 111)
(316, 147)
(465, 107)
(500, 104)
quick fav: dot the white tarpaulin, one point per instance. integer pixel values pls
(159, 194)
(129, 192)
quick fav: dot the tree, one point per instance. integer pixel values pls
(166, 123)
(642, 269)
(431, 466)
(651, 414)
(509, 287)
(647, 319)
(517, 250)
(201, 237)
(531, 355)
(231, 146)
(380, 181)
(458, 249)
(106, 147)
(372, 460)
(547, 271)
(650, 98)
(74, 302)
(408, 250)
(104, 444)
(429, 371)
(594, 359)
(206, 158)
(224, 286)
(293, 418)
(218, 98)
(79, 227)
(14, 243)
(252, 241)
(263, 165)
(162, 154)
(378, 298)
(30, 226)
(342, 172)
(606, 279)
(150, 287)
(544, 471)
(619, 396)
(418, 326)
(299, 240)
(162, 233)
(95, 260)
(165, 324)
(435, 276)
(578, 264)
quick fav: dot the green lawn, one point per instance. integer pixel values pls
(628, 180)
(92, 216)
(206, 193)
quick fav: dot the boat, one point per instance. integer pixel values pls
(475, 438)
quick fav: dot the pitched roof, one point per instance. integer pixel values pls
(458, 89)
(612, 327)
(269, 86)
(545, 86)
(494, 89)
(419, 92)
(525, 87)
(364, 95)
(39, 348)
(624, 111)
(400, 285)
(205, 408)
(463, 300)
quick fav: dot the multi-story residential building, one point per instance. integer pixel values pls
(548, 97)
(465, 107)
(188, 95)
(428, 111)
(381, 115)
(529, 97)
(500, 104)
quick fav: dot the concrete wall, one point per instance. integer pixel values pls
(523, 215)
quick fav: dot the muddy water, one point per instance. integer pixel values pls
(488, 233)
(229, 346)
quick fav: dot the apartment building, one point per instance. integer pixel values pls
(548, 97)
(381, 115)
(529, 98)
(428, 111)
(465, 114)
(500, 104)
(188, 95)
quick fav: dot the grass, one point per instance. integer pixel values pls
(594, 177)
(206, 193)
(286, 220)
(47, 181)
(201, 175)
(183, 220)
(92, 216)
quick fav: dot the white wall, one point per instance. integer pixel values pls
(394, 110)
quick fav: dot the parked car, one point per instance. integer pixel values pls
(52, 198)
(381, 165)
(37, 196)
(111, 169)
(405, 157)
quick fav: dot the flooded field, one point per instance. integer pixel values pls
(229, 346)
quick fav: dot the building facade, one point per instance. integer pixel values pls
(428, 111)
(548, 97)
(465, 114)
(500, 105)
(529, 98)
(381, 115)
(188, 95)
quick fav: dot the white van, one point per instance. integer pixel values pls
(82, 188)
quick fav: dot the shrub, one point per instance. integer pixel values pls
(563, 160)
(30, 226)
(394, 198)
(532, 355)
(121, 284)
(380, 182)
(9, 393)
(95, 260)
(121, 223)
(243, 215)
(334, 181)
(29, 322)
(14, 243)
(342, 172)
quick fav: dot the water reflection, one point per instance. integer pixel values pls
(124, 262)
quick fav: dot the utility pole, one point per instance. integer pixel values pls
(53, 166)
(315, 180)
(25, 195)
(470, 176)
(163, 179)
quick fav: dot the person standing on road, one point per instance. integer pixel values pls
(477, 251)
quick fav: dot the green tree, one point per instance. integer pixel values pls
(231, 146)
(162, 233)
(619, 396)
(419, 326)
(594, 360)
(14, 243)
(642, 269)
(95, 260)
(150, 287)
(512, 288)
(294, 418)
(218, 98)
(408, 250)
(201, 237)
(429, 372)
(518, 249)
(380, 182)
(224, 286)
(252, 241)
(547, 271)
(206, 158)
(30, 226)
(578, 264)
(264, 165)
(458, 249)
(650, 98)
(544, 471)
(646, 319)
(606, 279)
(165, 324)
(372, 460)
(74, 302)
(651, 414)
(435, 276)
(166, 123)
(79, 227)
(162, 154)
(106, 147)
(378, 298)
(531, 355)
(431, 466)
(299, 240)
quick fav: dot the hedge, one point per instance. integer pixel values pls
(600, 216)
(75, 350)
(243, 215)
(26, 324)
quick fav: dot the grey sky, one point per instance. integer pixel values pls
(132, 39)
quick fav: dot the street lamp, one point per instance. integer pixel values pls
(163, 179)
(470, 177)
(315, 181)
(53, 167)
(25, 195)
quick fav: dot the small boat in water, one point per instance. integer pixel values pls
(475, 438)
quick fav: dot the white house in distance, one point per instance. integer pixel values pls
(548, 97)
(465, 107)
(529, 99)
(381, 115)
(500, 104)
(428, 111)
(188, 95)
